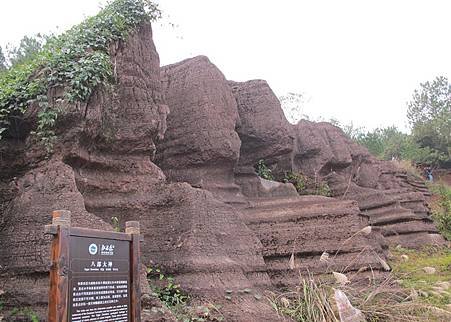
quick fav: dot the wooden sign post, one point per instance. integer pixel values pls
(94, 274)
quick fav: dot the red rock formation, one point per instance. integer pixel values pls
(201, 146)
(307, 227)
(263, 129)
(284, 222)
(287, 224)
(102, 167)
(393, 201)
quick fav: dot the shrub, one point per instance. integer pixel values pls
(298, 180)
(24, 314)
(441, 209)
(323, 189)
(307, 186)
(263, 171)
(176, 300)
(167, 291)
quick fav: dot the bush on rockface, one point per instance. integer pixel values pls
(179, 302)
(306, 185)
(263, 171)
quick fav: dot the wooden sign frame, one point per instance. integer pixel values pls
(58, 310)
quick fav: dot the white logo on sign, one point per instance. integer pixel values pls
(92, 249)
(107, 250)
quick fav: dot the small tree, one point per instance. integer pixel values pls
(2, 60)
(429, 114)
(351, 130)
(28, 47)
(292, 104)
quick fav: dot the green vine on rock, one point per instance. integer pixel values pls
(77, 61)
(263, 171)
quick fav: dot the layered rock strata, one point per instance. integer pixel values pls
(201, 146)
(102, 168)
(394, 201)
(285, 223)
(175, 149)
(290, 226)
(312, 235)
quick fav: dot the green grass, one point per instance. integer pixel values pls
(182, 306)
(399, 296)
(441, 208)
(412, 276)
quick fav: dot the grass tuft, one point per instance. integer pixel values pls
(398, 296)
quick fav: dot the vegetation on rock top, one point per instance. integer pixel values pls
(429, 115)
(77, 61)
(306, 185)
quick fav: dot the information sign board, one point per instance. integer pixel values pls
(94, 274)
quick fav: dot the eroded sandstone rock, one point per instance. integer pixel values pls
(264, 132)
(102, 168)
(286, 224)
(201, 146)
(393, 201)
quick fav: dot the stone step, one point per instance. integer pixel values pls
(409, 227)
(274, 203)
(393, 218)
(374, 212)
(298, 213)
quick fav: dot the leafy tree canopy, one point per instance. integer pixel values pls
(28, 47)
(429, 114)
(2, 60)
(390, 143)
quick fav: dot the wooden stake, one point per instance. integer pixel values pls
(59, 267)
(132, 227)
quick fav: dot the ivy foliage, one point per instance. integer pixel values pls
(77, 61)
(263, 171)
(167, 290)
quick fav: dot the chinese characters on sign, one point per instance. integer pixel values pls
(94, 274)
(99, 280)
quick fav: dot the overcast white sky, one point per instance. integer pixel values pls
(356, 60)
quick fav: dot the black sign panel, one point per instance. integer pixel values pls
(99, 280)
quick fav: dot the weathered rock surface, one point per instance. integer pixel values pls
(263, 129)
(394, 201)
(201, 146)
(285, 223)
(206, 217)
(265, 134)
(321, 148)
(25, 250)
(306, 227)
(102, 168)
